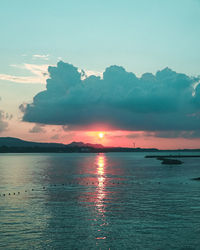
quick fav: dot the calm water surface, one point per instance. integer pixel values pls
(98, 201)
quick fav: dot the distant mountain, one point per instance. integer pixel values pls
(15, 145)
(15, 142)
(82, 144)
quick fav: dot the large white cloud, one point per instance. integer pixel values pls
(166, 101)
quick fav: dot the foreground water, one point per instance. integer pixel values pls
(98, 201)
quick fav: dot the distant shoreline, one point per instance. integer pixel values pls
(16, 145)
(5, 149)
(70, 150)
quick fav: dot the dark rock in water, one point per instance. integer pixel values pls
(196, 179)
(172, 156)
(160, 158)
(168, 161)
(171, 161)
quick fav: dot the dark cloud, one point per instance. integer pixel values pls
(166, 101)
(3, 123)
(135, 135)
(55, 137)
(3, 117)
(37, 128)
(175, 134)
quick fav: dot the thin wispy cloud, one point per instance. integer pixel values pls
(39, 74)
(44, 57)
(38, 70)
(20, 79)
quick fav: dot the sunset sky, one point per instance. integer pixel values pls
(113, 72)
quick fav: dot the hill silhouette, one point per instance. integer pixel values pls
(16, 145)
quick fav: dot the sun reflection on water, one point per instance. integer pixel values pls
(101, 164)
(101, 192)
(101, 181)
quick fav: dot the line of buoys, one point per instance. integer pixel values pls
(83, 183)
(16, 193)
(109, 184)
(52, 185)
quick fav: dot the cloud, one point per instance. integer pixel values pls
(55, 137)
(37, 128)
(38, 70)
(44, 57)
(20, 79)
(3, 123)
(135, 135)
(39, 74)
(93, 73)
(175, 134)
(166, 101)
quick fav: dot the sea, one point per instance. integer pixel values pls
(98, 201)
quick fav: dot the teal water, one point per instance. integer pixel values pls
(98, 201)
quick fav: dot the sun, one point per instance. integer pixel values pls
(101, 135)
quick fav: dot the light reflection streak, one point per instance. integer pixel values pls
(101, 184)
(101, 196)
(96, 195)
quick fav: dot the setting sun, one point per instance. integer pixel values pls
(101, 135)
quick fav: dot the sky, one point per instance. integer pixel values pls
(129, 69)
